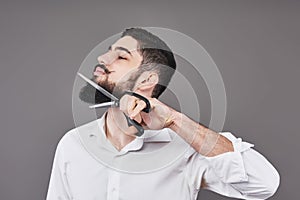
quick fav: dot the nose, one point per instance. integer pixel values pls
(107, 59)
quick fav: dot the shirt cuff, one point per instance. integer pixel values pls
(229, 166)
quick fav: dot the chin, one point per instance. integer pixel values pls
(98, 79)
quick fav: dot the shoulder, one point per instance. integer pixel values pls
(71, 139)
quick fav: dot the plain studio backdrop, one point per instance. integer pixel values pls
(255, 45)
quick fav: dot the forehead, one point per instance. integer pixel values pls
(128, 42)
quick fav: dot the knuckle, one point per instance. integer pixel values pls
(123, 98)
(122, 107)
(143, 103)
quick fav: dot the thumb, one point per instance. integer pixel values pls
(146, 118)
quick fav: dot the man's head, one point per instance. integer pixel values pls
(138, 60)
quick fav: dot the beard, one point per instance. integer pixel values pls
(91, 95)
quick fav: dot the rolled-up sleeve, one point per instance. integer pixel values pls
(243, 173)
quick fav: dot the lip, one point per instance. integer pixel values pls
(99, 71)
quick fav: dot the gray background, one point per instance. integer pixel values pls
(255, 44)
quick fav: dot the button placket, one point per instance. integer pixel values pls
(113, 185)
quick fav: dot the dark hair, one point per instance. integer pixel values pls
(155, 53)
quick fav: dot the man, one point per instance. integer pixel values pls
(141, 62)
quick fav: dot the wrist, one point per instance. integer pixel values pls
(173, 120)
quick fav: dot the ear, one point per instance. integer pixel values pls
(147, 81)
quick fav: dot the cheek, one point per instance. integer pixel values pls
(120, 76)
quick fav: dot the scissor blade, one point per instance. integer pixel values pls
(101, 105)
(99, 88)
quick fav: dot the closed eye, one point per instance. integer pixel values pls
(122, 58)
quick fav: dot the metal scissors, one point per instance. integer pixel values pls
(116, 102)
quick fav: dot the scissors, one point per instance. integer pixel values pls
(116, 103)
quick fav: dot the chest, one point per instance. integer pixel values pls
(89, 179)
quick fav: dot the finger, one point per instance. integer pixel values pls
(126, 104)
(146, 118)
(131, 104)
(138, 118)
(139, 107)
(123, 103)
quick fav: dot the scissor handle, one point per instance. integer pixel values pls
(132, 122)
(147, 109)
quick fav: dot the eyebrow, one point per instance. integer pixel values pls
(122, 49)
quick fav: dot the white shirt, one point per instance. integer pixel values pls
(87, 167)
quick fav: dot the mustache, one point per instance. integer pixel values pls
(101, 65)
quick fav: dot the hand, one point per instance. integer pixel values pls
(159, 117)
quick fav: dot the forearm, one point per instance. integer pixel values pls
(243, 173)
(205, 141)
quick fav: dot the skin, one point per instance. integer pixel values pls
(123, 59)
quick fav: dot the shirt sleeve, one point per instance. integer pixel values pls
(243, 173)
(58, 186)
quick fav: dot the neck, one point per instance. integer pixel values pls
(116, 129)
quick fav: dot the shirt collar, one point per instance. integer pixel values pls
(149, 136)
